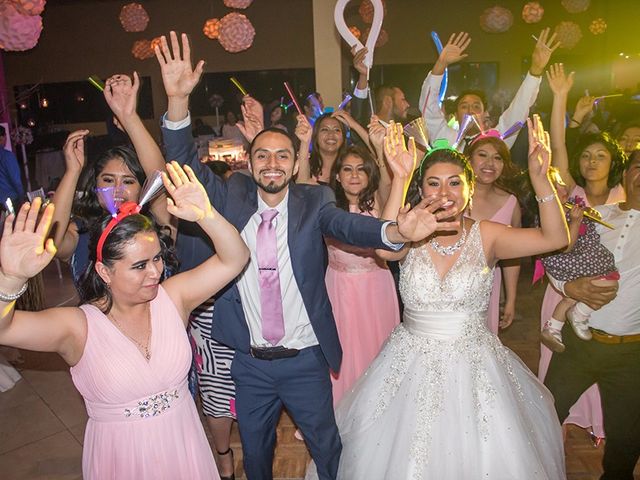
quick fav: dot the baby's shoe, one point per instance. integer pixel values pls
(579, 322)
(551, 337)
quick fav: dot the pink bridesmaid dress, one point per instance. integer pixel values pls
(143, 423)
(365, 306)
(504, 216)
(587, 411)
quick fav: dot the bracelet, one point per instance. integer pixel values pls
(10, 297)
(546, 199)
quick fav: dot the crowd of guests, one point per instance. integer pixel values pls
(278, 287)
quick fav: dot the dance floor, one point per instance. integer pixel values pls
(42, 419)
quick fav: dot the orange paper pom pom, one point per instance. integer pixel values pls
(532, 12)
(142, 49)
(366, 10)
(236, 32)
(356, 32)
(211, 28)
(134, 17)
(598, 26)
(496, 20)
(155, 42)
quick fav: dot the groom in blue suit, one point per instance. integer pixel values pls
(291, 367)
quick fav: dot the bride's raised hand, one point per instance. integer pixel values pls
(425, 218)
(25, 249)
(189, 200)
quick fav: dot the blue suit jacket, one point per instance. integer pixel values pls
(312, 213)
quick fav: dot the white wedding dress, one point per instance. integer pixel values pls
(444, 399)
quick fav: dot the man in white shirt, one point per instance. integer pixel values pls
(612, 358)
(471, 102)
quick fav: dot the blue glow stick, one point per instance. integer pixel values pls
(344, 102)
(445, 77)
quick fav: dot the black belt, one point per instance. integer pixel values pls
(273, 353)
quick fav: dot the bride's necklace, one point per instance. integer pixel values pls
(144, 348)
(449, 249)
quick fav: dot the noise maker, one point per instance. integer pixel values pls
(591, 214)
(108, 197)
(152, 187)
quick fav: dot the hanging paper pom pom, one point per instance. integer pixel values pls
(239, 4)
(532, 12)
(366, 10)
(29, 7)
(598, 26)
(496, 20)
(356, 32)
(18, 32)
(134, 17)
(383, 37)
(575, 6)
(568, 34)
(236, 32)
(142, 49)
(211, 28)
(155, 43)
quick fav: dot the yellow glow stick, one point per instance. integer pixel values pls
(239, 86)
(96, 82)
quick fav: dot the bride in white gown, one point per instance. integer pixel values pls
(445, 399)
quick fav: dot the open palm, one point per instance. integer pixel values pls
(178, 76)
(25, 250)
(189, 200)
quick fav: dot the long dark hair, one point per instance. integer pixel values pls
(507, 179)
(87, 207)
(444, 155)
(315, 160)
(92, 288)
(618, 157)
(366, 198)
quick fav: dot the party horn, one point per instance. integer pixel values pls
(9, 206)
(466, 124)
(96, 82)
(152, 187)
(239, 86)
(445, 77)
(293, 98)
(347, 99)
(315, 105)
(591, 214)
(513, 129)
(416, 130)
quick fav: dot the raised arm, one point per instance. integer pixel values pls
(560, 86)
(178, 76)
(434, 118)
(503, 242)
(189, 202)
(359, 104)
(303, 131)
(66, 235)
(376, 140)
(121, 94)
(24, 252)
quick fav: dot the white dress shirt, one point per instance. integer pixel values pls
(622, 315)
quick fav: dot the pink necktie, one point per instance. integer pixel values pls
(270, 295)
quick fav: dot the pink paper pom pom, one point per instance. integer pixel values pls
(29, 7)
(575, 6)
(239, 4)
(134, 17)
(236, 32)
(568, 34)
(211, 28)
(532, 12)
(496, 20)
(18, 32)
(142, 49)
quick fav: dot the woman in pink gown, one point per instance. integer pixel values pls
(360, 285)
(126, 345)
(594, 175)
(491, 162)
